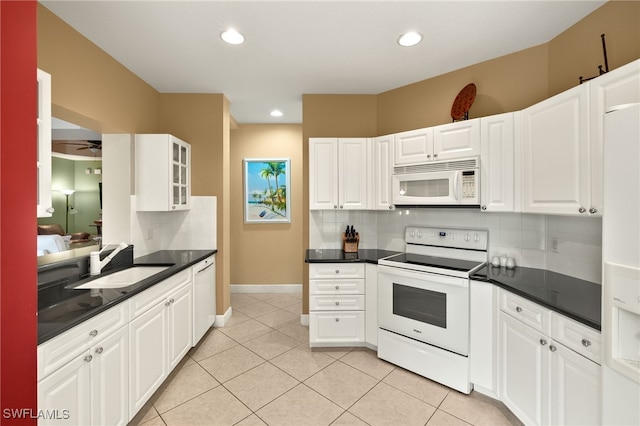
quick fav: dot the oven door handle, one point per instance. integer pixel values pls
(440, 279)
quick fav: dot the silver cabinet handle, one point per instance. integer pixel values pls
(171, 300)
(543, 342)
(88, 358)
(586, 343)
(337, 303)
(337, 319)
(390, 207)
(335, 206)
(167, 303)
(337, 271)
(518, 309)
(435, 156)
(582, 210)
(428, 156)
(99, 350)
(341, 206)
(337, 287)
(552, 348)
(93, 333)
(593, 210)
(484, 207)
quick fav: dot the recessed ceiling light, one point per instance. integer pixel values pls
(410, 39)
(231, 36)
(276, 113)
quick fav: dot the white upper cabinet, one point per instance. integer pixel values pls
(457, 140)
(382, 171)
(413, 146)
(618, 87)
(556, 157)
(497, 163)
(444, 142)
(43, 164)
(163, 173)
(338, 173)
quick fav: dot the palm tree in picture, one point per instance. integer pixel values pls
(277, 168)
(266, 173)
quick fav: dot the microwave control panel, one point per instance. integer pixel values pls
(469, 184)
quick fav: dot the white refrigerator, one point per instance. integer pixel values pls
(621, 267)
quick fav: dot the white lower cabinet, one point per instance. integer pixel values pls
(102, 371)
(336, 304)
(159, 337)
(542, 380)
(91, 387)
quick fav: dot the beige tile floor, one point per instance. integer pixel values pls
(259, 370)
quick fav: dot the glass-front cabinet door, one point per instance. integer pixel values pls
(180, 170)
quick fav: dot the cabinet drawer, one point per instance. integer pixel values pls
(156, 294)
(354, 286)
(61, 349)
(336, 303)
(582, 339)
(336, 270)
(528, 312)
(336, 328)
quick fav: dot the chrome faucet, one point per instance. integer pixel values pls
(96, 265)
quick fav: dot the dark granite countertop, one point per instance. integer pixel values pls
(339, 256)
(575, 298)
(61, 307)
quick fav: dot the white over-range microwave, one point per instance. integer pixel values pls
(455, 182)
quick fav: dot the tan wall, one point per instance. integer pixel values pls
(578, 51)
(89, 87)
(504, 84)
(266, 253)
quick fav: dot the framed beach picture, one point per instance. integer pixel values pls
(266, 190)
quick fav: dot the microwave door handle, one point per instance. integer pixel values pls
(456, 178)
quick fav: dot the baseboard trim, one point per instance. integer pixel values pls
(266, 288)
(304, 320)
(221, 320)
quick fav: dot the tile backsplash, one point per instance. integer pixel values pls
(568, 245)
(190, 229)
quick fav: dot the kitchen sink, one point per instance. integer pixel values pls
(122, 278)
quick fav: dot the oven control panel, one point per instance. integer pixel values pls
(476, 239)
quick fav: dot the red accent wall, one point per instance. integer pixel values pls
(18, 269)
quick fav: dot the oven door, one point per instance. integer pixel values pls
(427, 307)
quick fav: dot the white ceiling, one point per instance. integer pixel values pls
(308, 47)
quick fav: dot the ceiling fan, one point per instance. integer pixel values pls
(94, 146)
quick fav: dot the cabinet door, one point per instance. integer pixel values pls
(456, 140)
(110, 380)
(147, 355)
(483, 332)
(414, 146)
(575, 388)
(555, 154)
(371, 305)
(43, 122)
(618, 87)
(352, 173)
(323, 173)
(179, 324)
(180, 174)
(336, 328)
(523, 361)
(66, 394)
(497, 163)
(383, 169)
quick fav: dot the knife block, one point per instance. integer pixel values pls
(350, 247)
